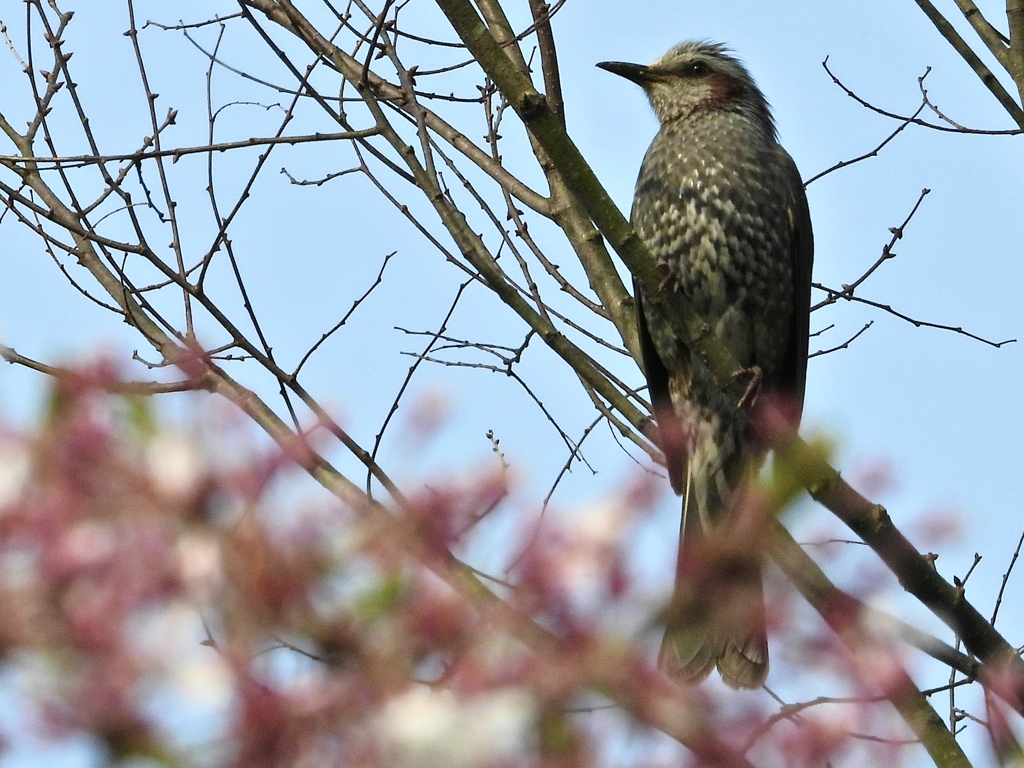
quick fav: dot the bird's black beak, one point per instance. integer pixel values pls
(638, 73)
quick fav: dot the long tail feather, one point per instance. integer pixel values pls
(716, 617)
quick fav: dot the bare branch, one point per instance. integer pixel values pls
(873, 153)
(995, 41)
(984, 74)
(114, 387)
(846, 344)
(1006, 577)
(80, 161)
(916, 120)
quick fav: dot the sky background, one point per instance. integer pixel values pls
(938, 412)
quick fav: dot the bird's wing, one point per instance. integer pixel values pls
(794, 369)
(672, 445)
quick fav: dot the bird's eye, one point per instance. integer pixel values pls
(696, 69)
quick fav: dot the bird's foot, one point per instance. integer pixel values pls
(669, 277)
(754, 376)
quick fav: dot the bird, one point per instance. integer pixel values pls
(721, 207)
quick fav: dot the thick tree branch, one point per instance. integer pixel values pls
(994, 40)
(1015, 20)
(847, 616)
(1013, 109)
(915, 572)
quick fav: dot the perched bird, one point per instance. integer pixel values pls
(720, 205)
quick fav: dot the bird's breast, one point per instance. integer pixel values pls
(711, 206)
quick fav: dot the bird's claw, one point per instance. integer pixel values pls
(754, 376)
(670, 278)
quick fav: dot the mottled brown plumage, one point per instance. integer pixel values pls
(720, 205)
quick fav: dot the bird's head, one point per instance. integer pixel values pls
(695, 77)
